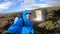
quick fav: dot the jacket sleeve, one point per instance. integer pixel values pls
(18, 22)
(16, 27)
(32, 31)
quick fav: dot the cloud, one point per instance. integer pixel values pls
(53, 2)
(31, 4)
(26, 4)
(6, 5)
(42, 0)
(49, 0)
(40, 5)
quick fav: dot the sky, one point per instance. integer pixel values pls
(9, 6)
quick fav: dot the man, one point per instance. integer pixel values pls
(27, 29)
(19, 27)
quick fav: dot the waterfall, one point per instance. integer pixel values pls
(38, 15)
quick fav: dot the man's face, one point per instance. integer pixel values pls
(28, 15)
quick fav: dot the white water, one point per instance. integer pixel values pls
(38, 15)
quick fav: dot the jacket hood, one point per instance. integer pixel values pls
(27, 12)
(24, 15)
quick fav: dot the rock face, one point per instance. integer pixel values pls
(52, 23)
(5, 22)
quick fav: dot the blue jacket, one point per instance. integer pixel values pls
(18, 27)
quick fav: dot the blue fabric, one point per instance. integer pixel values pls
(28, 24)
(18, 27)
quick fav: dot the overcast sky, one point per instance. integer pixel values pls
(7, 6)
